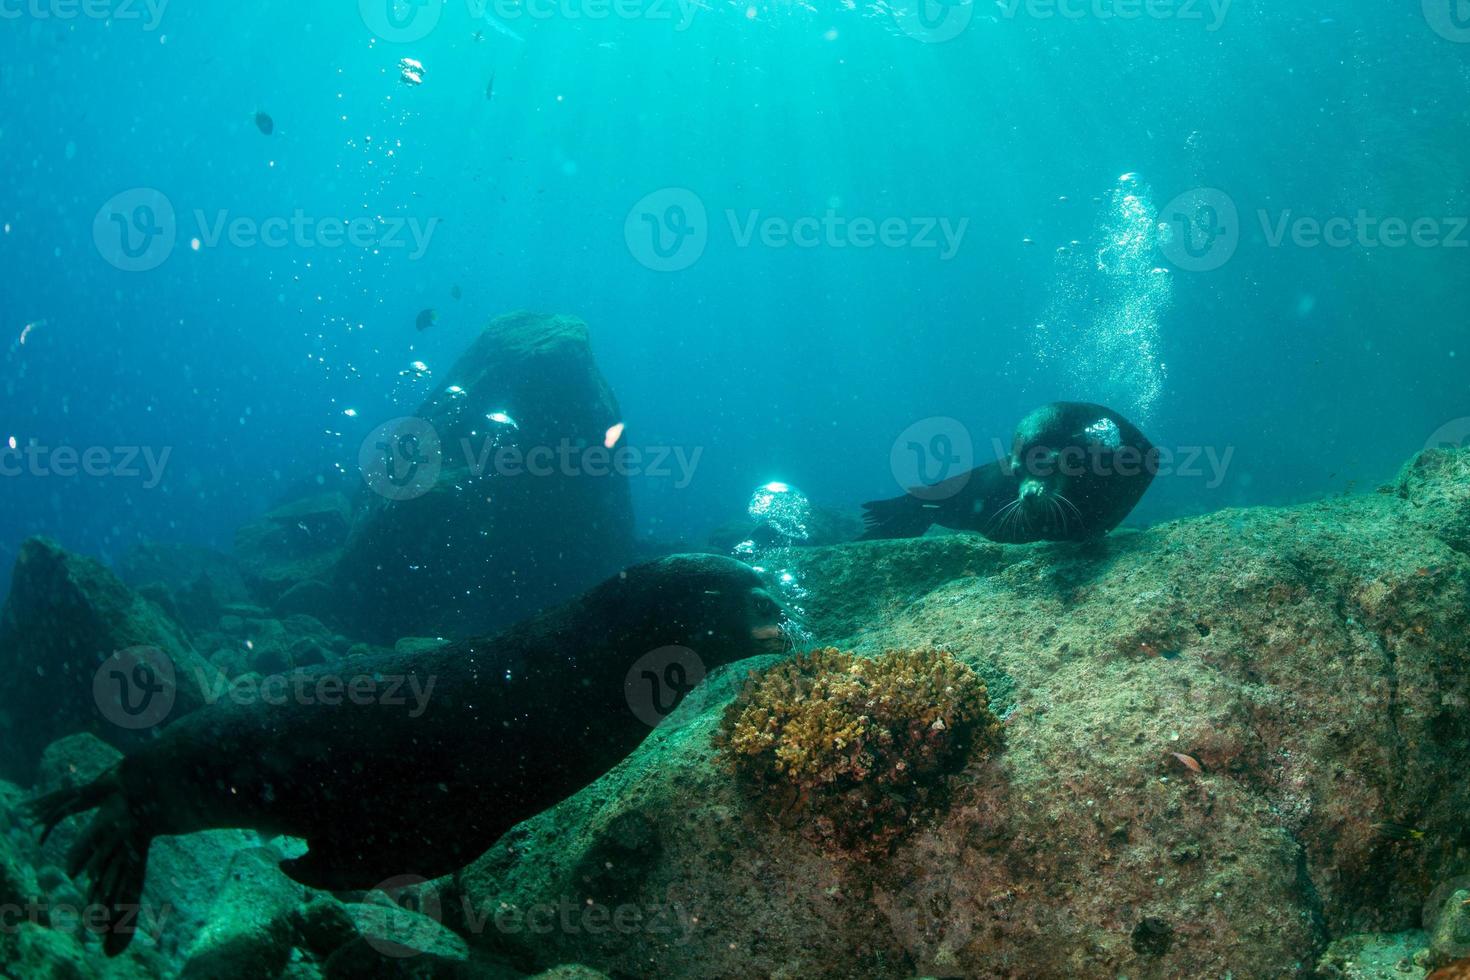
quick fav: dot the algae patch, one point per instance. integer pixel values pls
(851, 749)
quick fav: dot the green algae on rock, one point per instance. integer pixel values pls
(1321, 680)
(851, 747)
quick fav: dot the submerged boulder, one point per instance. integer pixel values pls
(519, 502)
(295, 547)
(1229, 741)
(65, 616)
(193, 584)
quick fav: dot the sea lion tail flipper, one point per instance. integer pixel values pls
(901, 517)
(112, 852)
(52, 808)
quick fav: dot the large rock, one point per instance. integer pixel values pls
(251, 930)
(509, 525)
(1307, 665)
(65, 616)
(294, 545)
(194, 583)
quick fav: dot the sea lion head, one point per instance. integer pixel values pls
(1078, 469)
(715, 606)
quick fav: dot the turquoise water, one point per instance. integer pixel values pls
(1323, 367)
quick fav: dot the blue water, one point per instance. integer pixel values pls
(1321, 368)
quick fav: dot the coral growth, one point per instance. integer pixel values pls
(855, 748)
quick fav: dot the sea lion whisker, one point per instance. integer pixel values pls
(998, 520)
(1081, 520)
(1056, 509)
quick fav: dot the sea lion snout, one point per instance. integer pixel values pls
(770, 637)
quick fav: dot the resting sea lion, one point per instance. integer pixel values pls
(512, 725)
(1074, 472)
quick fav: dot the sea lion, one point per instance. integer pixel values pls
(1075, 470)
(513, 724)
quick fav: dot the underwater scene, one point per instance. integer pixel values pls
(735, 489)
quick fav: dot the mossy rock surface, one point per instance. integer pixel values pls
(1204, 722)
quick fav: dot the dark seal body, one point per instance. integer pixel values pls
(480, 735)
(1075, 471)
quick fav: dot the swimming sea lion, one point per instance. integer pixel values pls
(1074, 472)
(511, 725)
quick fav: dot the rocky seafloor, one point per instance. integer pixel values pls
(1232, 746)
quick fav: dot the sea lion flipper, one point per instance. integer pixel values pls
(112, 853)
(899, 517)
